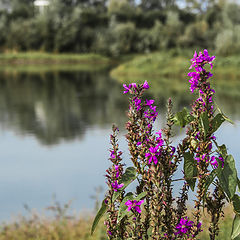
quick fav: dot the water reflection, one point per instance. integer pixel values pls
(59, 105)
(56, 106)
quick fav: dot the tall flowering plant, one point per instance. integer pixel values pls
(152, 211)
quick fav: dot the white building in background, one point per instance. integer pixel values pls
(41, 4)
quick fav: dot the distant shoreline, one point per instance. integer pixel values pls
(164, 64)
(52, 58)
(44, 62)
(125, 67)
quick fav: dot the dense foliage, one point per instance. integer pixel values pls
(115, 27)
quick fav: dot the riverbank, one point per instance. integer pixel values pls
(171, 65)
(42, 62)
(52, 58)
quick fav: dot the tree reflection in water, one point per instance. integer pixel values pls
(61, 105)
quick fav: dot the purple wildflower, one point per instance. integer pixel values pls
(149, 102)
(112, 155)
(197, 158)
(134, 205)
(173, 151)
(152, 155)
(151, 114)
(222, 160)
(199, 225)
(184, 226)
(145, 85)
(117, 171)
(137, 102)
(195, 77)
(213, 137)
(210, 146)
(116, 186)
(159, 139)
(198, 62)
(128, 88)
(214, 162)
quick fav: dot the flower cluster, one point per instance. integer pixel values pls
(201, 75)
(152, 154)
(155, 150)
(214, 161)
(184, 226)
(199, 60)
(150, 113)
(132, 87)
(115, 172)
(137, 102)
(115, 184)
(134, 204)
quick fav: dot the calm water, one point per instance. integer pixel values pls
(54, 135)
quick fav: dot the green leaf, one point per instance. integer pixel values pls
(228, 177)
(204, 123)
(190, 169)
(235, 227)
(128, 177)
(208, 182)
(182, 118)
(217, 122)
(238, 184)
(140, 196)
(222, 150)
(149, 232)
(99, 215)
(236, 203)
(224, 116)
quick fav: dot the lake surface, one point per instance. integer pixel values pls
(54, 134)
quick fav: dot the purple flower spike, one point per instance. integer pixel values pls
(134, 205)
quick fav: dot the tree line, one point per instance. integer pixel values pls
(115, 27)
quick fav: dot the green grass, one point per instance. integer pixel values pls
(168, 64)
(43, 62)
(43, 67)
(20, 57)
(63, 227)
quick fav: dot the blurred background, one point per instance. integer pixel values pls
(62, 66)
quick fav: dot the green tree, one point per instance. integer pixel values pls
(156, 4)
